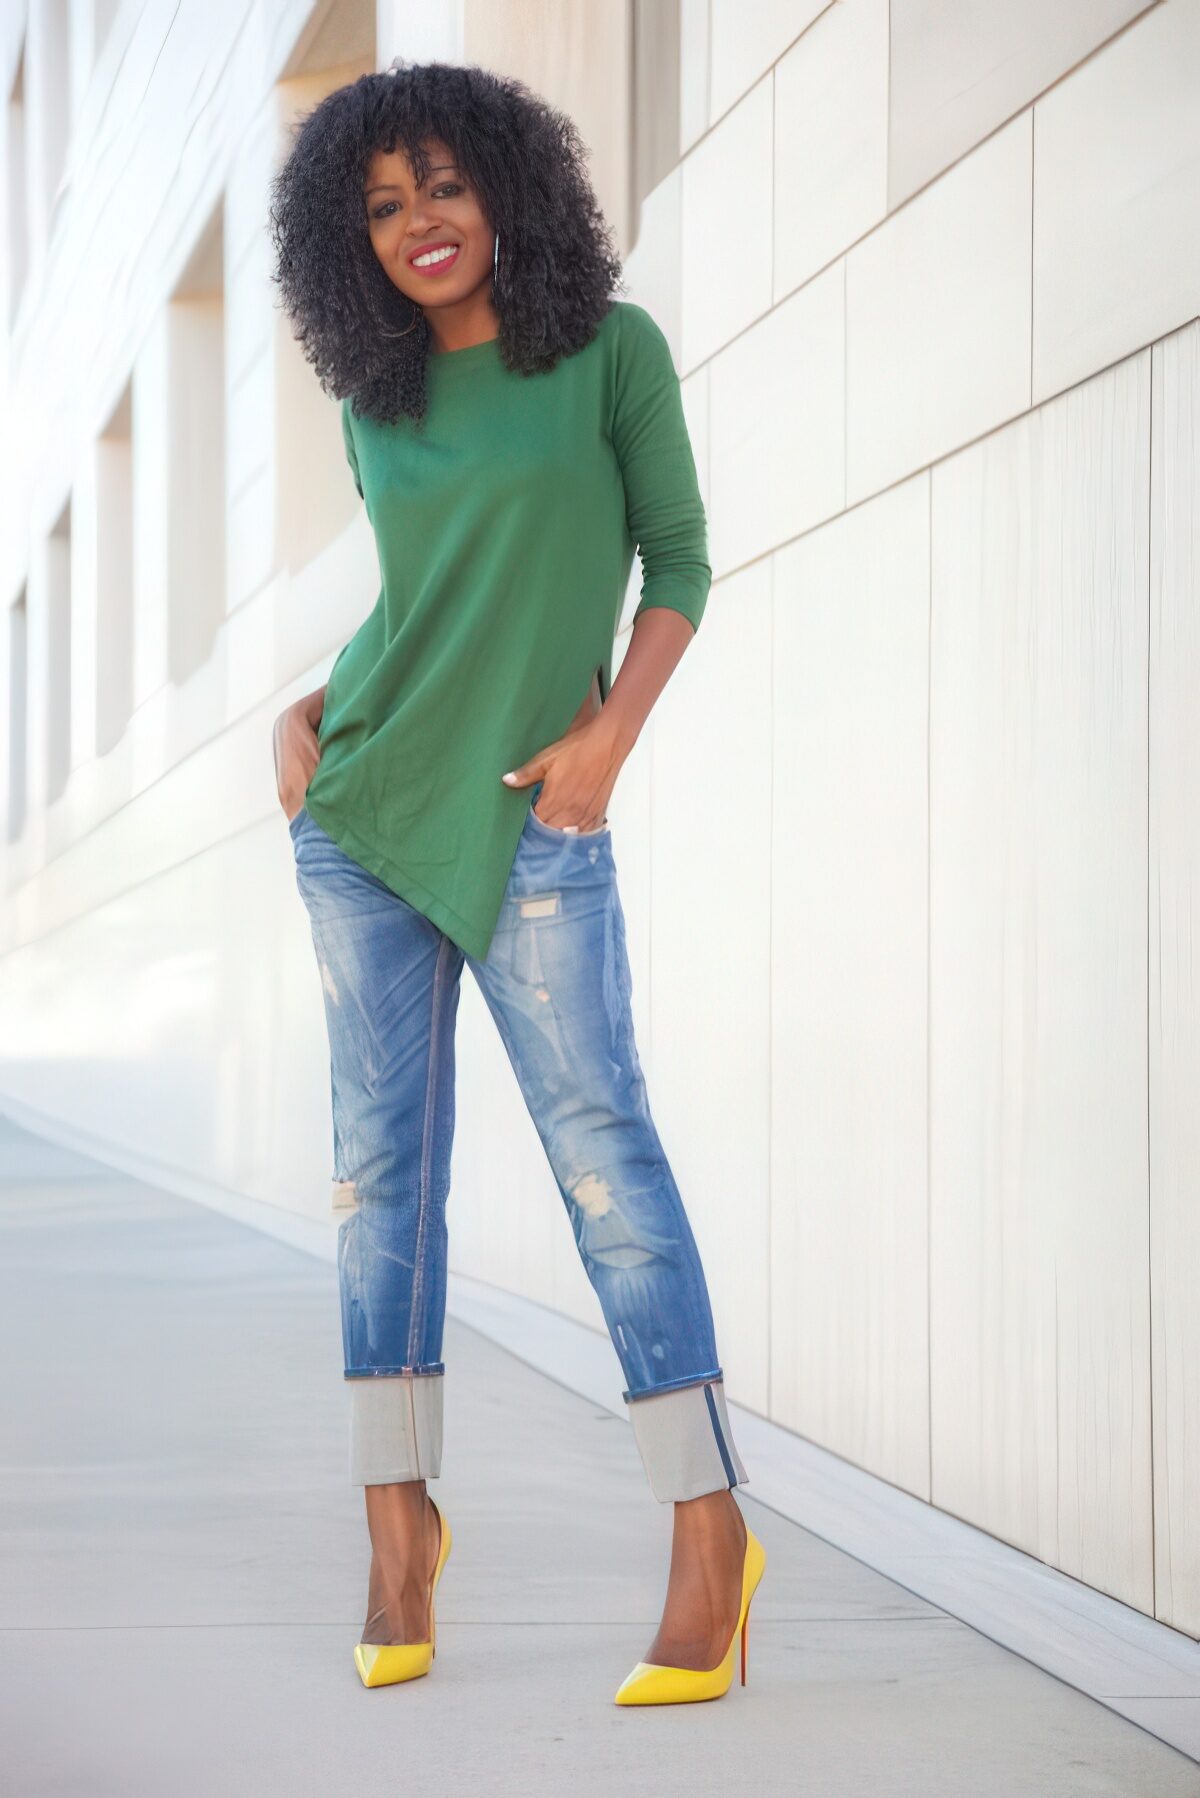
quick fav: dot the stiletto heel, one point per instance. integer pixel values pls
(648, 1683)
(387, 1663)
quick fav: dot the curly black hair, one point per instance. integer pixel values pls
(526, 162)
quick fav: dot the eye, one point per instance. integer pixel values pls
(385, 210)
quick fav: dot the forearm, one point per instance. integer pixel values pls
(660, 636)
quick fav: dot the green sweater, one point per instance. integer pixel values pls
(505, 522)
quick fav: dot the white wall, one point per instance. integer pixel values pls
(910, 849)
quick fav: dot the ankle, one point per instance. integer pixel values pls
(401, 1520)
(714, 1517)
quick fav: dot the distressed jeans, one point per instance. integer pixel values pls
(557, 983)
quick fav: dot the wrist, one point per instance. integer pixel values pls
(617, 728)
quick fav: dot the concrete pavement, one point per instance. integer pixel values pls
(184, 1566)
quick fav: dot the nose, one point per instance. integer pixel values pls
(422, 218)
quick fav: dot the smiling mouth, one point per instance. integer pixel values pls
(443, 257)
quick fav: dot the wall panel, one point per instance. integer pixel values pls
(1174, 1037)
(1116, 254)
(959, 68)
(710, 970)
(748, 39)
(831, 117)
(938, 317)
(848, 986)
(725, 265)
(776, 422)
(1039, 1292)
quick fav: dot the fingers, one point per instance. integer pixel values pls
(522, 776)
(591, 820)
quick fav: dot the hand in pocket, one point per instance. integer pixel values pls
(297, 753)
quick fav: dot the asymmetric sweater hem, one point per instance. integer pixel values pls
(385, 868)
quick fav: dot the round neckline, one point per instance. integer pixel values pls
(471, 351)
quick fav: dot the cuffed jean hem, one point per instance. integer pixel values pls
(395, 1427)
(685, 1441)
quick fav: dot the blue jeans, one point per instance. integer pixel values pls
(557, 982)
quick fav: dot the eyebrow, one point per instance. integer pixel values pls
(384, 187)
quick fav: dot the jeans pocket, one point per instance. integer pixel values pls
(557, 830)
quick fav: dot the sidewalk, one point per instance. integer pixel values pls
(184, 1567)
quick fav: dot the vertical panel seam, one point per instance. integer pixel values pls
(1032, 235)
(1149, 974)
(771, 710)
(929, 993)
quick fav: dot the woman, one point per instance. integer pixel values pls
(514, 432)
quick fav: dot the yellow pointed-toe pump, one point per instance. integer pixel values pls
(650, 1684)
(387, 1663)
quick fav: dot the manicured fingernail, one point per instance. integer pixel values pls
(510, 776)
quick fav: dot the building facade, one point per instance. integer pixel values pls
(910, 847)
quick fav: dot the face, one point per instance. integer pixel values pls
(405, 221)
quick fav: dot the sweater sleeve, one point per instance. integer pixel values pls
(348, 440)
(663, 507)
